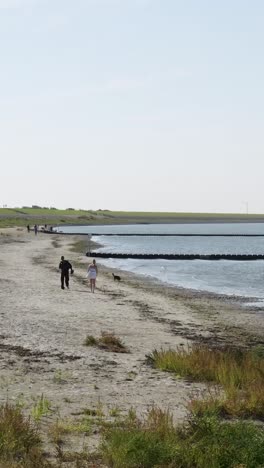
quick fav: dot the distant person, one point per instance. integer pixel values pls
(92, 274)
(65, 266)
(164, 274)
(28, 228)
(36, 229)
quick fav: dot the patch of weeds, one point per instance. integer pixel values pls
(100, 410)
(114, 412)
(257, 352)
(82, 459)
(240, 373)
(208, 441)
(19, 440)
(111, 342)
(89, 412)
(147, 443)
(16, 433)
(42, 407)
(201, 442)
(68, 426)
(90, 340)
(20, 402)
(107, 341)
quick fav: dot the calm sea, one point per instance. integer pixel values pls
(236, 278)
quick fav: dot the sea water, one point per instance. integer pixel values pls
(228, 277)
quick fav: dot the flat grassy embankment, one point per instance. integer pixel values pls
(41, 216)
(22, 216)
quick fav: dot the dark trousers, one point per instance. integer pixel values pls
(64, 277)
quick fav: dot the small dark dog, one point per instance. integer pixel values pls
(116, 277)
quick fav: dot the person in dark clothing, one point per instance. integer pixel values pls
(65, 266)
(28, 228)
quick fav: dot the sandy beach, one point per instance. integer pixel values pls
(43, 329)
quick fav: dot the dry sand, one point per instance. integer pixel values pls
(43, 329)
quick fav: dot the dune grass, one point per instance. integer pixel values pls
(239, 373)
(130, 442)
(202, 443)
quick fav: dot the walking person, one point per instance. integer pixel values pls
(92, 274)
(65, 266)
(28, 228)
(36, 229)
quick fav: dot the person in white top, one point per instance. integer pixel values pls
(92, 274)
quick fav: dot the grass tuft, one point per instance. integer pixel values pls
(107, 341)
(90, 340)
(42, 407)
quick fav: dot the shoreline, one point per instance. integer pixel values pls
(182, 291)
(236, 298)
(242, 315)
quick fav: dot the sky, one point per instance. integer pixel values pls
(136, 105)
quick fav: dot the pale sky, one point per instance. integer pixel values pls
(147, 105)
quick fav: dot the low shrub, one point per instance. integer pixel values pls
(111, 342)
(90, 340)
(107, 341)
(203, 442)
(18, 437)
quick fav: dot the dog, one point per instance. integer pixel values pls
(116, 277)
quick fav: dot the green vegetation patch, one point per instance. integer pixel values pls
(131, 442)
(240, 373)
(18, 437)
(202, 442)
(42, 407)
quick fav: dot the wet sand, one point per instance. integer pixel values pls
(43, 329)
